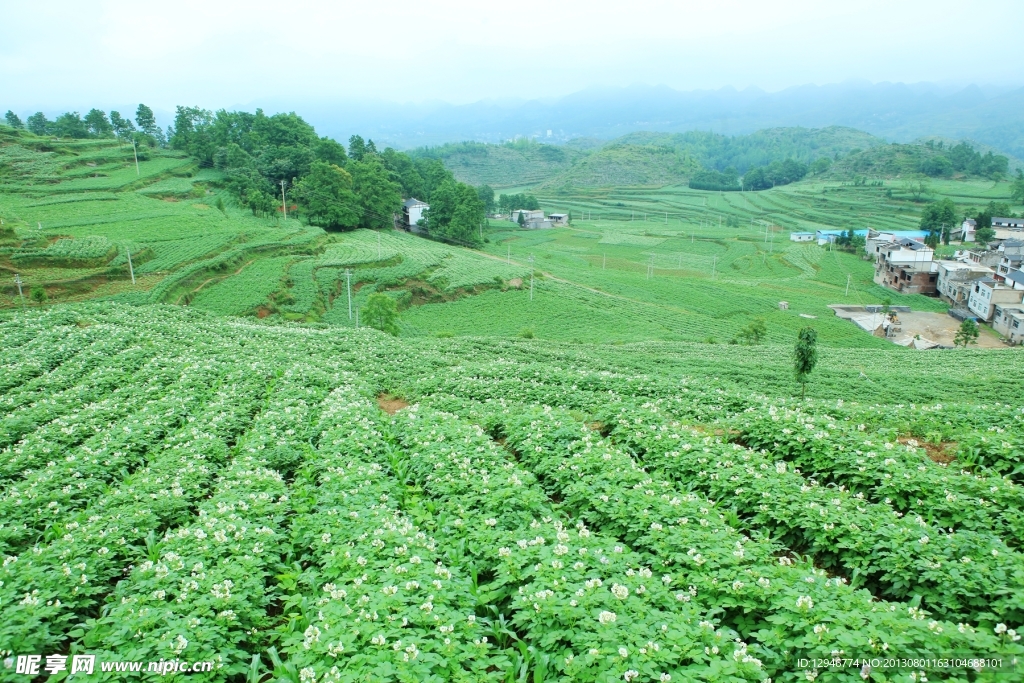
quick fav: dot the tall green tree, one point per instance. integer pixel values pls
(38, 123)
(381, 313)
(379, 196)
(983, 232)
(1016, 187)
(146, 120)
(967, 334)
(122, 127)
(97, 124)
(486, 195)
(937, 218)
(69, 125)
(326, 195)
(13, 120)
(455, 213)
(805, 356)
(356, 147)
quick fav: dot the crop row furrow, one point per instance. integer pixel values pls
(91, 421)
(592, 609)
(49, 588)
(875, 545)
(88, 366)
(377, 595)
(787, 606)
(204, 592)
(883, 469)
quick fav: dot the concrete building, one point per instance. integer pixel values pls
(1014, 279)
(967, 228)
(412, 211)
(1007, 321)
(801, 237)
(987, 294)
(1007, 263)
(1013, 224)
(956, 279)
(906, 265)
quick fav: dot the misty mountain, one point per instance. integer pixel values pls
(896, 112)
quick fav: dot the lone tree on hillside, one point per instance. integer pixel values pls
(13, 120)
(967, 334)
(805, 356)
(753, 333)
(381, 313)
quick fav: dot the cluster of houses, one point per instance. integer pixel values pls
(536, 220)
(984, 284)
(413, 210)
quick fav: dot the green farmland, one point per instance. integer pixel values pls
(573, 463)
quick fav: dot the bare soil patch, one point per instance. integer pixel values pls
(942, 453)
(391, 404)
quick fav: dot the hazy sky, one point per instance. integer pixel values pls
(80, 54)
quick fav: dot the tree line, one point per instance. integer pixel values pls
(95, 124)
(336, 188)
(962, 158)
(757, 178)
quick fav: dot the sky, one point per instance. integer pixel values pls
(60, 55)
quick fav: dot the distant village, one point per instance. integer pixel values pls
(985, 283)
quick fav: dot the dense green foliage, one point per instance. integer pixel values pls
(726, 181)
(292, 530)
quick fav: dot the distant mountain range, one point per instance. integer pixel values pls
(896, 112)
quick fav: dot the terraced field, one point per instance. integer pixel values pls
(178, 486)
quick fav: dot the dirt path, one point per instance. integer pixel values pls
(594, 290)
(218, 278)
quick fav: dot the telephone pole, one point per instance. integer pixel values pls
(17, 281)
(847, 284)
(508, 255)
(131, 271)
(348, 286)
(714, 262)
(135, 150)
(284, 207)
(378, 245)
(530, 276)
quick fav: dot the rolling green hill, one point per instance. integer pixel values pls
(506, 165)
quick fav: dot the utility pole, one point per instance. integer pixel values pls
(531, 277)
(378, 245)
(714, 262)
(650, 268)
(136, 152)
(508, 255)
(284, 207)
(348, 286)
(131, 271)
(17, 281)
(847, 284)
(604, 260)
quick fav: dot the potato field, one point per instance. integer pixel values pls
(305, 503)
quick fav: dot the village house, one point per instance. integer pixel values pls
(876, 239)
(1008, 320)
(1013, 224)
(412, 211)
(987, 294)
(966, 232)
(801, 237)
(1014, 279)
(956, 279)
(559, 218)
(1007, 263)
(906, 265)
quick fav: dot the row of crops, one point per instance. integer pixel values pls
(178, 486)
